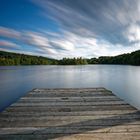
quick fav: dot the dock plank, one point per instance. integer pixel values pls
(71, 114)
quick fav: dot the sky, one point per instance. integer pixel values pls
(70, 28)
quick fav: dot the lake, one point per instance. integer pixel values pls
(16, 81)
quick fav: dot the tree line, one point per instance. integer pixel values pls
(73, 61)
(124, 59)
(8, 58)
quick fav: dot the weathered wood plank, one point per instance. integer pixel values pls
(95, 136)
(65, 90)
(70, 114)
(92, 97)
(69, 108)
(74, 94)
(70, 103)
(69, 99)
(79, 118)
(64, 113)
(46, 124)
(70, 130)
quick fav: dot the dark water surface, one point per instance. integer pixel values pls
(16, 81)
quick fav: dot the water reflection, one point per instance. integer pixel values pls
(16, 81)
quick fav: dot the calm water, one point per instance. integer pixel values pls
(16, 81)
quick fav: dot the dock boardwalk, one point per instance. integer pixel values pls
(70, 114)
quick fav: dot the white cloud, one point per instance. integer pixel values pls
(63, 44)
(95, 18)
(69, 44)
(133, 33)
(5, 43)
(36, 39)
(8, 32)
(87, 28)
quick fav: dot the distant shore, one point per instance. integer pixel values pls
(9, 58)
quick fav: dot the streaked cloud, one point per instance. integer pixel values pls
(35, 39)
(133, 33)
(87, 28)
(5, 43)
(68, 44)
(8, 32)
(106, 19)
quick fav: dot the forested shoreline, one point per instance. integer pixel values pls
(8, 58)
(124, 59)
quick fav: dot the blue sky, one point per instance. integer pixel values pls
(70, 28)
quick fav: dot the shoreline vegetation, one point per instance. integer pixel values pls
(9, 58)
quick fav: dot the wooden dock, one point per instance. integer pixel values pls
(70, 114)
